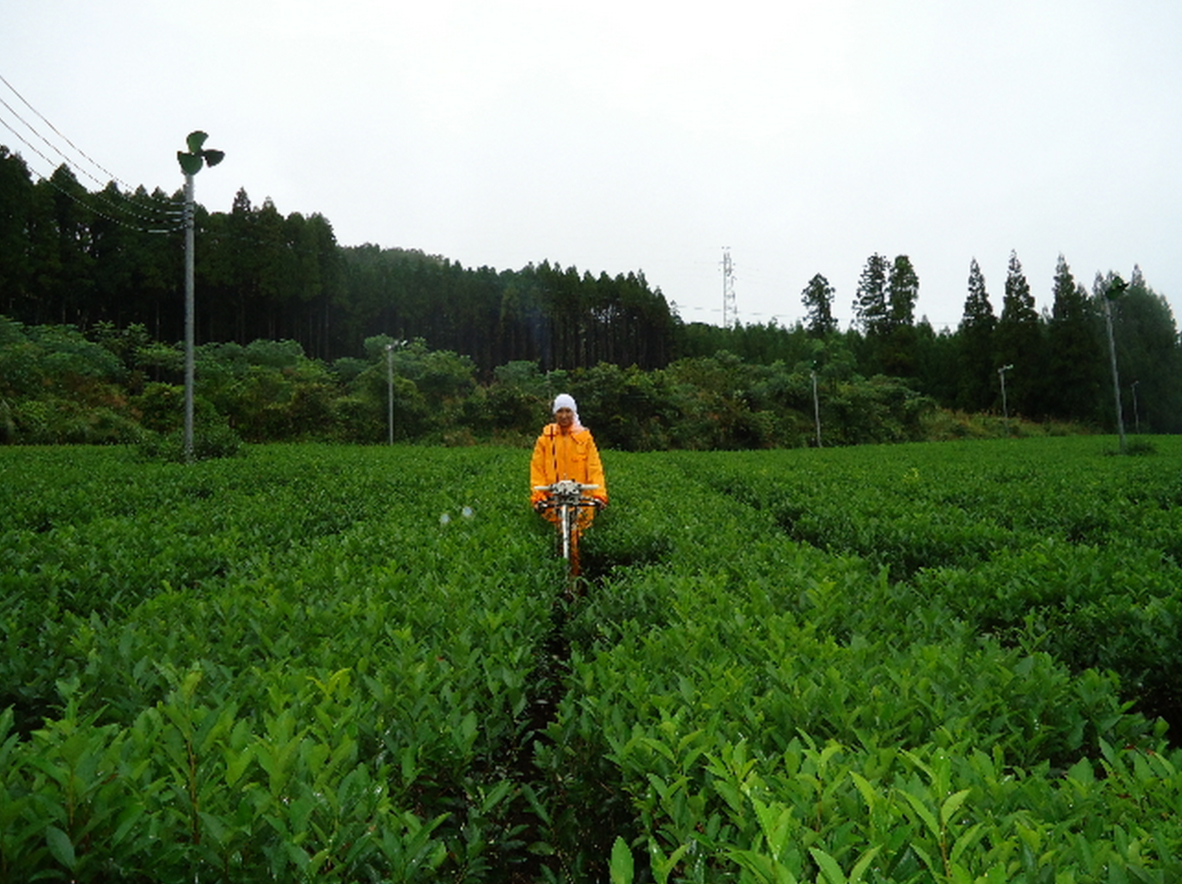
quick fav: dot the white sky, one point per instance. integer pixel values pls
(620, 136)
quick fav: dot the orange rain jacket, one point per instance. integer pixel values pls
(570, 455)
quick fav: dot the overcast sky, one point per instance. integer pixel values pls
(618, 136)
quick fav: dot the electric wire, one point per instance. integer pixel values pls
(155, 224)
(157, 217)
(204, 229)
(148, 213)
(111, 176)
(164, 216)
(125, 203)
(89, 207)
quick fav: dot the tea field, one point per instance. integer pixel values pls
(956, 662)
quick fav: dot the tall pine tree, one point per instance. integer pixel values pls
(817, 298)
(870, 303)
(975, 333)
(1075, 354)
(1018, 343)
(872, 313)
(898, 352)
(16, 207)
(902, 292)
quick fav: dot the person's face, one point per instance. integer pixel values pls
(564, 417)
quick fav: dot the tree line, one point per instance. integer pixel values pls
(73, 257)
(1054, 363)
(58, 385)
(112, 259)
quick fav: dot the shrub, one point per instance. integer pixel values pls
(210, 440)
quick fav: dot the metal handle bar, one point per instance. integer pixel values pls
(566, 493)
(582, 501)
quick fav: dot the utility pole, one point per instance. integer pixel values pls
(1116, 288)
(191, 163)
(816, 409)
(390, 348)
(390, 388)
(190, 358)
(729, 311)
(1005, 408)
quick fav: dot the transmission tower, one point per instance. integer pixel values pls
(729, 311)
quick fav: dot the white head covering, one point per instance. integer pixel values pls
(565, 400)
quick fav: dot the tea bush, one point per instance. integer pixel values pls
(907, 664)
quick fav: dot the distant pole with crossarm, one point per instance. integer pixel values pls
(1005, 407)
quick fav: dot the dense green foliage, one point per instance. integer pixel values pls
(112, 260)
(71, 257)
(57, 385)
(881, 664)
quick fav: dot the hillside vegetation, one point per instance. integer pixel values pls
(109, 264)
(58, 385)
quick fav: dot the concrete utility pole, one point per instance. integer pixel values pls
(190, 359)
(1005, 408)
(191, 163)
(816, 409)
(390, 348)
(1116, 288)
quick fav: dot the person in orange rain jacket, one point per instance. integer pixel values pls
(566, 450)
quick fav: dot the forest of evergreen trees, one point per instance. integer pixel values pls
(111, 260)
(77, 258)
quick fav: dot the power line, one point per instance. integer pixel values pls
(88, 206)
(174, 227)
(158, 216)
(111, 176)
(153, 222)
(101, 198)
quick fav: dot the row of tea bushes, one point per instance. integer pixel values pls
(1047, 543)
(772, 712)
(289, 666)
(912, 507)
(360, 664)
